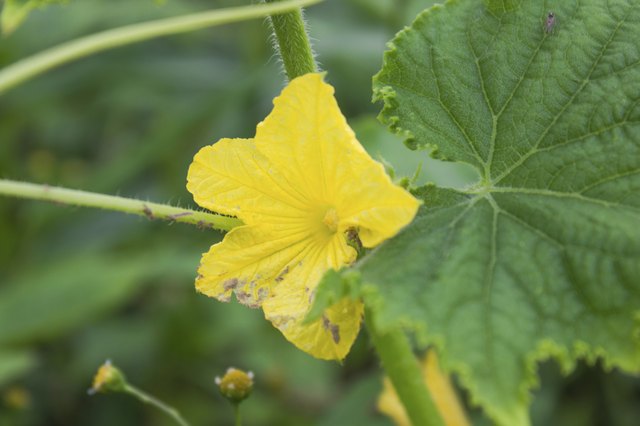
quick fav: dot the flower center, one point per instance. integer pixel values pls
(331, 220)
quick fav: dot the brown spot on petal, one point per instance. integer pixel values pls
(244, 298)
(230, 284)
(223, 298)
(249, 298)
(334, 329)
(282, 274)
(262, 294)
(281, 321)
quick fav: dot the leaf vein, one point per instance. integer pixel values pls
(560, 113)
(609, 179)
(531, 191)
(449, 113)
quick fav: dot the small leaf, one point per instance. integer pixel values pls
(541, 257)
(333, 287)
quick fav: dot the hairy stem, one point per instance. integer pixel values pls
(293, 43)
(39, 63)
(402, 367)
(148, 399)
(121, 204)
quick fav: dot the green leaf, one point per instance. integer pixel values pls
(14, 12)
(541, 258)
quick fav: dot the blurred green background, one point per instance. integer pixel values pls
(78, 286)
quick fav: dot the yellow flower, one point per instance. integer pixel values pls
(299, 186)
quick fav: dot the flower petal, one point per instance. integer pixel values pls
(307, 138)
(378, 210)
(247, 262)
(232, 177)
(331, 336)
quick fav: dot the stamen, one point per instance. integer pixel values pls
(331, 219)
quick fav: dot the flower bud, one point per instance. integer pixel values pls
(108, 379)
(17, 398)
(235, 385)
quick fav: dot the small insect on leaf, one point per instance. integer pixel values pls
(550, 23)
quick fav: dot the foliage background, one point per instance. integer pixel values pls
(78, 286)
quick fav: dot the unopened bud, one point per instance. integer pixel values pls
(108, 379)
(17, 398)
(235, 385)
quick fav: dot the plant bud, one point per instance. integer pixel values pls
(235, 385)
(108, 379)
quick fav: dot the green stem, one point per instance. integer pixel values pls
(148, 399)
(121, 204)
(236, 412)
(293, 43)
(39, 63)
(405, 374)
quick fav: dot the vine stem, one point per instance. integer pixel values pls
(121, 204)
(402, 367)
(293, 43)
(39, 63)
(148, 399)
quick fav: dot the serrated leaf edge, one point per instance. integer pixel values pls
(546, 349)
(385, 93)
